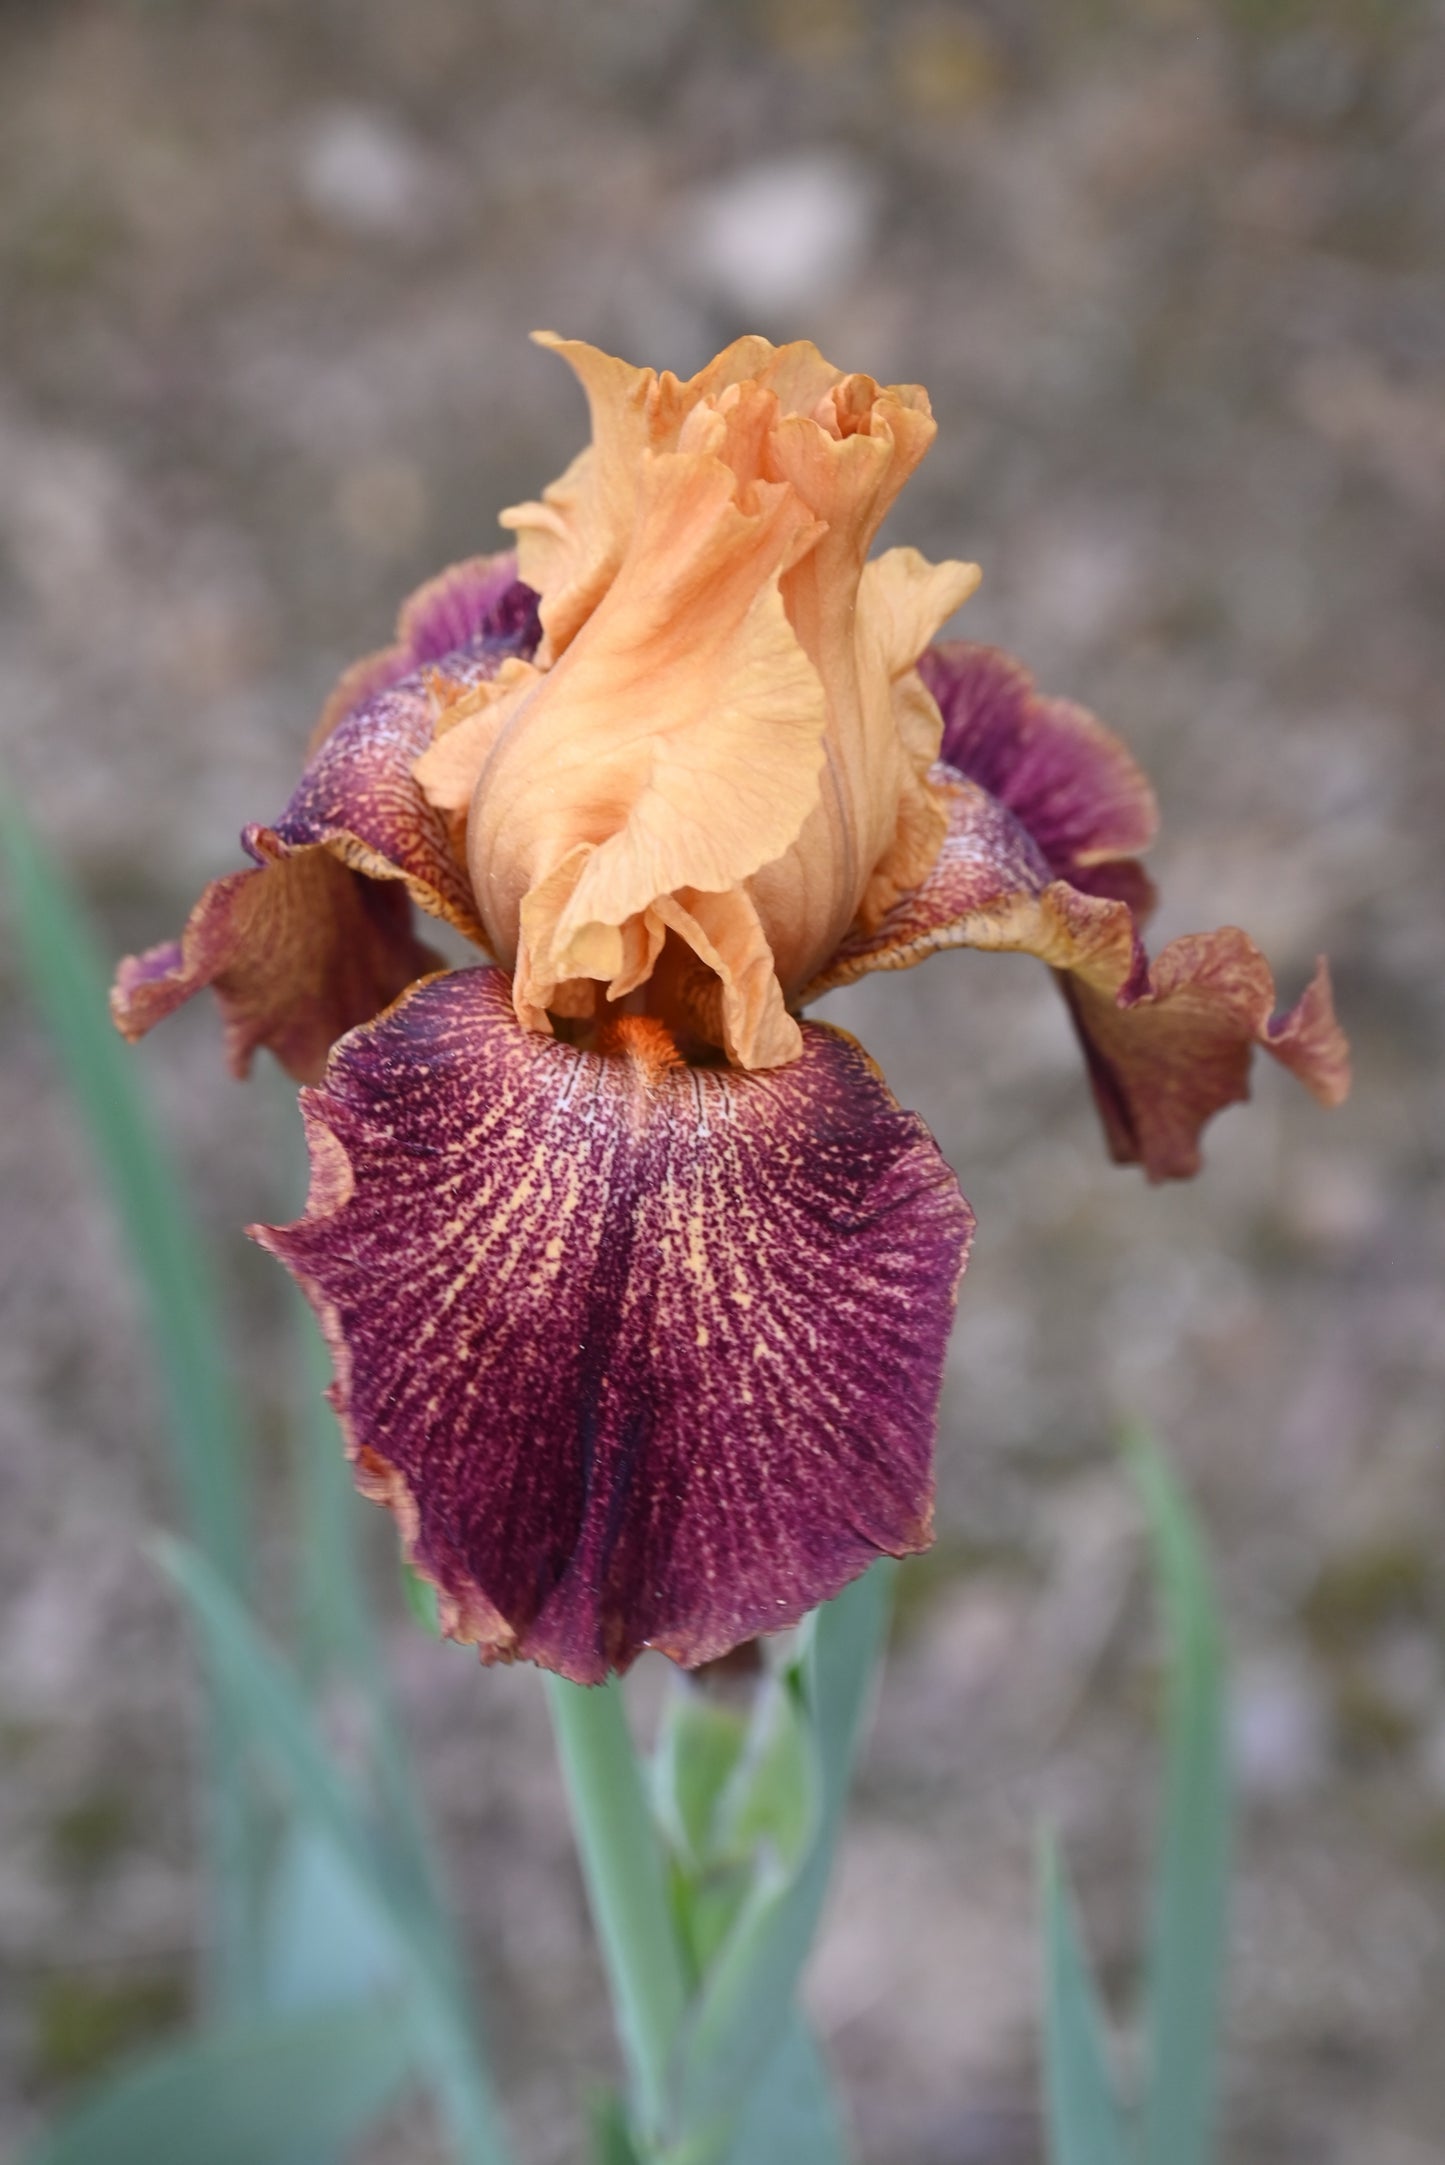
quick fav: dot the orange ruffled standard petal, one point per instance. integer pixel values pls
(877, 825)
(676, 744)
(721, 757)
(571, 544)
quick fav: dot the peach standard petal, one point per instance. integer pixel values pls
(676, 744)
(571, 543)
(671, 741)
(877, 825)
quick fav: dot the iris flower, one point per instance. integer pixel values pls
(637, 1284)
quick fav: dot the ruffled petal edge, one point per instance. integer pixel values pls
(1168, 1043)
(637, 1354)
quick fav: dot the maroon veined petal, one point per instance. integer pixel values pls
(319, 938)
(1167, 1044)
(1169, 1051)
(639, 1354)
(1069, 781)
(297, 954)
(357, 800)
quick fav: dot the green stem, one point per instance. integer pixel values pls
(625, 1884)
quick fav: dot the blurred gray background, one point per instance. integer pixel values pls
(1172, 272)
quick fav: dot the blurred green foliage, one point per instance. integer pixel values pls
(82, 2023)
(1171, 2121)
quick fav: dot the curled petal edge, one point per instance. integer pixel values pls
(297, 952)
(1167, 1043)
(317, 938)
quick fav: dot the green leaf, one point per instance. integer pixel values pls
(326, 1938)
(843, 1642)
(626, 1885)
(283, 1731)
(1085, 2124)
(729, 1782)
(68, 984)
(326, 1945)
(746, 2001)
(707, 1905)
(339, 1633)
(1186, 1961)
(700, 1740)
(244, 2092)
(420, 1597)
(726, 1778)
(792, 2115)
(612, 2142)
(335, 1635)
(772, 1793)
(280, 1720)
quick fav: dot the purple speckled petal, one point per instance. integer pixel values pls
(357, 797)
(639, 1354)
(479, 598)
(319, 938)
(357, 800)
(1167, 1044)
(987, 861)
(1069, 781)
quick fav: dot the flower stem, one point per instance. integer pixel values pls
(625, 1884)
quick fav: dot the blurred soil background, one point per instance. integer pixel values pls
(1174, 274)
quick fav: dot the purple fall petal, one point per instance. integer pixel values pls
(640, 1354)
(1071, 783)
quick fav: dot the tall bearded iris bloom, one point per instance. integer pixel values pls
(636, 1283)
